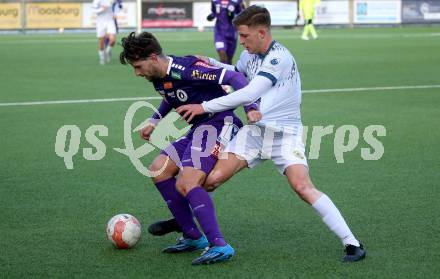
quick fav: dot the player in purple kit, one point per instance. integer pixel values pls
(225, 34)
(183, 166)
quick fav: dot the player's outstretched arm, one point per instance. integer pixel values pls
(146, 131)
(211, 16)
(252, 92)
(249, 94)
(162, 111)
(218, 64)
(238, 81)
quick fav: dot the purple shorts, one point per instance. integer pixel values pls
(200, 147)
(226, 42)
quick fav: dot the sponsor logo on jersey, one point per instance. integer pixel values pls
(206, 65)
(167, 85)
(175, 75)
(275, 61)
(181, 95)
(196, 74)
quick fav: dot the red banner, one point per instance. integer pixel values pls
(146, 23)
(168, 14)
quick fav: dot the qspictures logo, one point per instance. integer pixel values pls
(346, 138)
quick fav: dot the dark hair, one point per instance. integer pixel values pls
(253, 16)
(138, 47)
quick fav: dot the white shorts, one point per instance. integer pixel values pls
(257, 143)
(105, 27)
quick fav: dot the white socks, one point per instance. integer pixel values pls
(105, 56)
(334, 220)
(101, 54)
(108, 54)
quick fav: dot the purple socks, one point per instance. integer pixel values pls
(203, 209)
(179, 207)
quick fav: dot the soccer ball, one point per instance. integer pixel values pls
(124, 231)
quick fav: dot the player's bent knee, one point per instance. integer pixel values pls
(161, 171)
(183, 186)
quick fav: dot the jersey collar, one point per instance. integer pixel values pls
(170, 62)
(267, 51)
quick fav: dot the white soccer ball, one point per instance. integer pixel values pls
(124, 231)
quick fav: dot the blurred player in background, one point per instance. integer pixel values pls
(225, 34)
(106, 27)
(183, 166)
(307, 10)
(117, 5)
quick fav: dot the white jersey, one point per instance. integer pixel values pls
(103, 10)
(274, 79)
(280, 106)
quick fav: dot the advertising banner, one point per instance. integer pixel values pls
(377, 11)
(420, 11)
(281, 12)
(126, 16)
(10, 16)
(169, 14)
(200, 11)
(53, 15)
(332, 12)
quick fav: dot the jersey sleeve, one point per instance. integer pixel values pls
(201, 71)
(273, 66)
(240, 7)
(242, 61)
(218, 64)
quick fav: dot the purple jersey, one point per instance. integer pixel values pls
(224, 12)
(191, 81)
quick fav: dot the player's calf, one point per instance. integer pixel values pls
(299, 180)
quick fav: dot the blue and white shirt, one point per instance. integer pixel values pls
(280, 102)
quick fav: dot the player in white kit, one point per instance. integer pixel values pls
(275, 80)
(105, 27)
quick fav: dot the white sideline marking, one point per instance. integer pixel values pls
(159, 98)
(79, 101)
(372, 88)
(186, 38)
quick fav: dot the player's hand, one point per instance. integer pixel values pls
(203, 58)
(189, 111)
(253, 116)
(146, 131)
(210, 17)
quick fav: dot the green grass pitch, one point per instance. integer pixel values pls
(52, 220)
